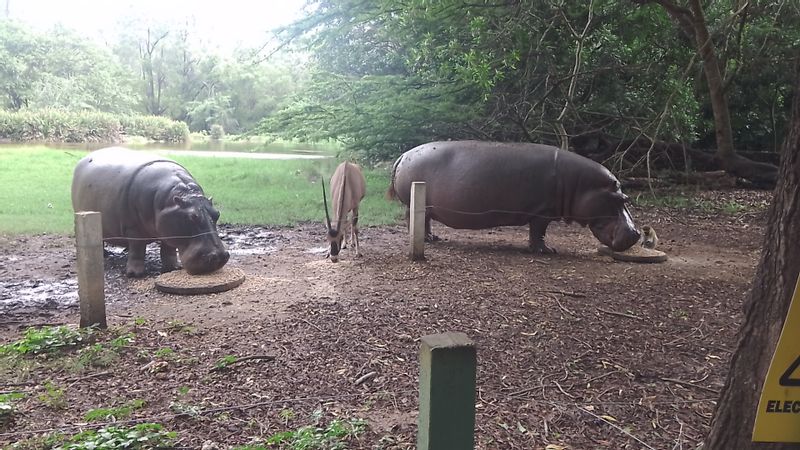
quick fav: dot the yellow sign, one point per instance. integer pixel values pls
(778, 416)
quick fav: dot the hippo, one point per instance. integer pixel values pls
(476, 184)
(145, 199)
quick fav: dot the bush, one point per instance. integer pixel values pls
(59, 126)
(155, 128)
(217, 132)
(52, 125)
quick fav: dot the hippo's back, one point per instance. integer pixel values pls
(100, 183)
(474, 184)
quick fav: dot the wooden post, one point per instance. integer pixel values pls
(447, 392)
(417, 220)
(91, 294)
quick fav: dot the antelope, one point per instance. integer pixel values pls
(348, 187)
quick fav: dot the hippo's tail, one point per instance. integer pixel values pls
(391, 193)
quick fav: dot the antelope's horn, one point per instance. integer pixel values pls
(325, 201)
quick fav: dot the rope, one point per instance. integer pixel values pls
(125, 238)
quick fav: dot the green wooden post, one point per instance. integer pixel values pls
(91, 283)
(448, 365)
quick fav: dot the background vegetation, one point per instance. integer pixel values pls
(387, 77)
(383, 76)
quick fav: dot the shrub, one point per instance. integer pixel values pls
(217, 132)
(156, 128)
(52, 125)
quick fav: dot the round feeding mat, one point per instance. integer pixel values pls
(180, 282)
(637, 254)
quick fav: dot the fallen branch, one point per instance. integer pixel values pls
(365, 378)
(614, 313)
(688, 384)
(568, 294)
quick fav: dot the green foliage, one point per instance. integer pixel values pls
(60, 69)
(53, 396)
(224, 362)
(389, 76)
(331, 437)
(155, 128)
(217, 132)
(165, 353)
(116, 413)
(138, 437)
(8, 407)
(59, 126)
(47, 340)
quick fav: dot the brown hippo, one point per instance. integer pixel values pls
(145, 199)
(474, 185)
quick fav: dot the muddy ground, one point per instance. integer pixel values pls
(574, 350)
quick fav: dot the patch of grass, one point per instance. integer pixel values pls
(330, 437)
(53, 396)
(224, 362)
(179, 326)
(137, 437)
(47, 340)
(677, 201)
(246, 191)
(734, 207)
(116, 413)
(8, 406)
(165, 353)
(99, 354)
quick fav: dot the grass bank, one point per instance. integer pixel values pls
(35, 190)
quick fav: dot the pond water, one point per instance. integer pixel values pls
(241, 149)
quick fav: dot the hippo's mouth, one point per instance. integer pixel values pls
(206, 262)
(619, 233)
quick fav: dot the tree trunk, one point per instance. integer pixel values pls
(719, 104)
(766, 307)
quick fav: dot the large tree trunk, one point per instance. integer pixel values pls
(765, 309)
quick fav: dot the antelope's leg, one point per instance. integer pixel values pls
(354, 232)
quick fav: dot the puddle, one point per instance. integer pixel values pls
(253, 241)
(16, 295)
(39, 294)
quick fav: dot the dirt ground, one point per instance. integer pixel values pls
(575, 350)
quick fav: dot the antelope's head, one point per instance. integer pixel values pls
(334, 234)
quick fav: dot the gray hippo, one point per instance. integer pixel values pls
(145, 199)
(474, 185)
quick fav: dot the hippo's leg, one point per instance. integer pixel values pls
(135, 265)
(169, 258)
(538, 228)
(429, 236)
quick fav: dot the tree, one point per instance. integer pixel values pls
(766, 307)
(547, 71)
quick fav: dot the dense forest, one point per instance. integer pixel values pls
(602, 77)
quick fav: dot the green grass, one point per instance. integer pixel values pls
(35, 190)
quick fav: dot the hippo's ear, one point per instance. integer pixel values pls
(211, 200)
